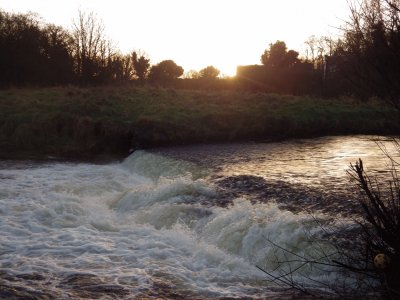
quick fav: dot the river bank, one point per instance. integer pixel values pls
(103, 122)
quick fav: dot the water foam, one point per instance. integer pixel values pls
(138, 223)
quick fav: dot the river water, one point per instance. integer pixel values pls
(189, 222)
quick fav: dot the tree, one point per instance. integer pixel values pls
(32, 52)
(141, 64)
(59, 53)
(120, 68)
(277, 55)
(318, 48)
(191, 74)
(291, 58)
(92, 50)
(371, 49)
(209, 72)
(282, 72)
(21, 48)
(165, 72)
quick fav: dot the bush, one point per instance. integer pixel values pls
(381, 223)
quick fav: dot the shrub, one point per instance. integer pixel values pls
(381, 224)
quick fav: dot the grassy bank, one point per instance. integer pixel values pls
(82, 122)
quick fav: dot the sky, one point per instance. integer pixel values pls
(199, 33)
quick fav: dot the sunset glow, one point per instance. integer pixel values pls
(195, 34)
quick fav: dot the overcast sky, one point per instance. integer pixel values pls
(198, 33)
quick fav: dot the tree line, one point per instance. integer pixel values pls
(33, 52)
(364, 61)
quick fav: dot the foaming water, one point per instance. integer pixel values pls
(141, 228)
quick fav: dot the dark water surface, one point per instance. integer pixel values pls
(299, 174)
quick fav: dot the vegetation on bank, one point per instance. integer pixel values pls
(82, 122)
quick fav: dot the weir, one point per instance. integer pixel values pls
(173, 222)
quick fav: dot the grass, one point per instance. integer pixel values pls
(82, 122)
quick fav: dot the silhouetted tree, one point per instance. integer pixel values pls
(321, 53)
(141, 64)
(209, 72)
(18, 32)
(370, 52)
(282, 72)
(277, 56)
(32, 52)
(291, 58)
(318, 48)
(59, 53)
(120, 68)
(165, 72)
(92, 50)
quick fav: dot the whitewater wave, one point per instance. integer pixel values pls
(138, 227)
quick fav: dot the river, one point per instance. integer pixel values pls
(189, 222)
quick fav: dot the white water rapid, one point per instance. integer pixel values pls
(141, 228)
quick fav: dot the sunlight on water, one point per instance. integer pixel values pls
(147, 226)
(307, 161)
